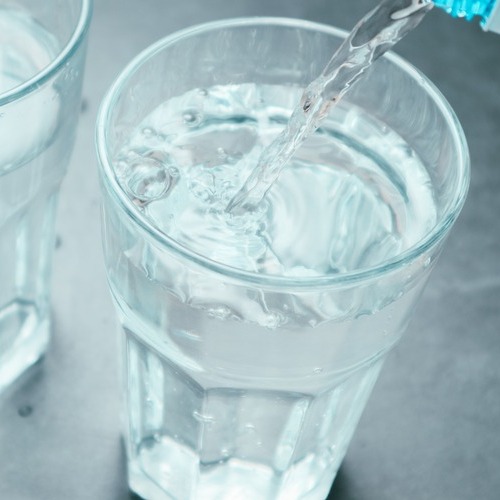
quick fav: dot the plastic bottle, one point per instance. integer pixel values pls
(487, 10)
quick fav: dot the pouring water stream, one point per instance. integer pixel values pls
(373, 35)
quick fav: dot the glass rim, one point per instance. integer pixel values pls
(267, 280)
(39, 78)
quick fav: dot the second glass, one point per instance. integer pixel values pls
(42, 53)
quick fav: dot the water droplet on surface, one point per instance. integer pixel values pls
(84, 106)
(250, 427)
(203, 92)
(408, 151)
(225, 452)
(25, 411)
(331, 452)
(318, 370)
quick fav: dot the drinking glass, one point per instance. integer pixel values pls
(245, 384)
(42, 52)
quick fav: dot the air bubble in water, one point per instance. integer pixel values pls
(272, 321)
(191, 117)
(146, 178)
(148, 132)
(219, 312)
(203, 418)
(222, 153)
(173, 172)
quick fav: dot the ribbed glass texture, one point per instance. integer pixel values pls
(467, 8)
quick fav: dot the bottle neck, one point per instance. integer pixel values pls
(492, 21)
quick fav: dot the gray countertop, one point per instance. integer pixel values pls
(431, 427)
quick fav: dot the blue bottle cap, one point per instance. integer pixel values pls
(469, 9)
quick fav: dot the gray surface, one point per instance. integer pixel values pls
(431, 427)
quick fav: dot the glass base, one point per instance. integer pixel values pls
(236, 480)
(186, 440)
(24, 336)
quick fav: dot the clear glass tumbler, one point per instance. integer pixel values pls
(42, 52)
(247, 382)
